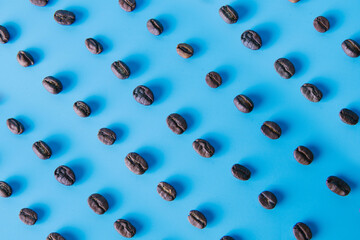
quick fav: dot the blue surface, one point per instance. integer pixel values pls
(230, 205)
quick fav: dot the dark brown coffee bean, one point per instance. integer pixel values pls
(5, 189)
(125, 228)
(4, 35)
(271, 129)
(143, 95)
(197, 219)
(227, 238)
(203, 148)
(348, 116)
(52, 85)
(240, 172)
(251, 40)
(303, 155)
(302, 231)
(107, 136)
(42, 150)
(128, 5)
(176, 123)
(55, 236)
(64, 175)
(25, 59)
(311, 92)
(213, 79)
(64, 17)
(321, 24)
(15, 126)
(135, 163)
(351, 48)
(120, 69)
(267, 199)
(284, 68)
(338, 186)
(93, 46)
(166, 191)
(40, 3)
(184, 50)
(243, 103)
(154, 26)
(28, 216)
(98, 203)
(294, 1)
(81, 109)
(228, 14)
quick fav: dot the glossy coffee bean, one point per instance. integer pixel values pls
(64, 17)
(55, 236)
(321, 24)
(284, 68)
(240, 172)
(15, 126)
(311, 92)
(82, 109)
(28, 216)
(136, 163)
(166, 191)
(243, 103)
(98, 203)
(197, 219)
(93, 46)
(228, 14)
(271, 129)
(52, 85)
(64, 175)
(4, 34)
(128, 5)
(267, 199)
(176, 123)
(302, 231)
(227, 238)
(338, 186)
(42, 150)
(203, 148)
(303, 155)
(154, 26)
(143, 95)
(251, 40)
(40, 3)
(25, 59)
(5, 189)
(120, 69)
(213, 79)
(106, 136)
(184, 50)
(125, 228)
(351, 48)
(348, 116)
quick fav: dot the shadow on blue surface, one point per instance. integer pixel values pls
(37, 54)
(18, 184)
(256, 98)
(284, 125)
(315, 149)
(42, 210)
(169, 23)
(323, 84)
(182, 184)
(112, 195)
(59, 144)
(68, 80)
(161, 88)
(106, 42)
(51, 3)
(227, 73)
(199, 45)
(353, 185)
(313, 226)
(14, 31)
(269, 33)
(221, 147)
(300, 61)
(82, 168)
(72, 233)
(245, 10)
(153, 156)
(140, 4)
(81, 14)
(121, 131)
(137, 63)
(212, 211)
(140, 221)
(192, 116)
(279, 195)
(27, 123)
(336, 19)
(96, 104)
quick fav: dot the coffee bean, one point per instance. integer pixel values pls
(154, 26)
(351, 48)
(98, 203)
(166, 191)
(4, 35)
(284, 68)
(243, 103)
(228, 14)
(55, 236)
(28, 216)
(82, 109)
(203, 148)
(271, 129)
(107, 136)
(303, 155)
(213, 79)
(52, 85)
(227, 238)
(120, 69)
(42, 150)
(136, 163)
(267, 199)
(93, 46)
(251, 40)
(127, 5)
(143, 95)
(64, 17)
(338, 186)
(302, 231)
(64, 175)
(125, 228)
(294, 1)
(40, 3)
(184, 50)
(321, 24)
(15, 126)
(25, 59)
(348, 116)
(176, 123)
(5, 189)
(311, 92)
(197, 219)
(240, 172)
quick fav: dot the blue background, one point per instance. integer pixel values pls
(230, 205)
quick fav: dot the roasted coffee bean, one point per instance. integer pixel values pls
(311, 92)
(267, 199)
(143, 95)
(40, 3)
(240, 172)
(228, 14)
(348, 116)
(28, 216)
(251, 40)
(227, 238)
(184, 50)
(294, 1)
(213, 79)
(25, 59)
(125, 228)
(271, 129)
(154, 26)
(203, 148)
(166, 191)
(15, 126)
(98, 203)
(106, 136)
(64, 175)
(93, 46)
(302, 231)
(55, 236)
(303, 155)
(120, 69)
(5, 189)
(127, 5)
(284, 68)
(351, 48)
(338, 186)
(42, 150)
(243, 103)
(82, 109)
(321, 24)
(52, 85)
(4, 35)
(64, 17)
(176, 123)
(136, 163)
(197, 219)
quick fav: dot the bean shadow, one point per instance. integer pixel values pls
(121, 131)
(182, 184)
(300, 61)
(58, 143)
(269, 33)
(285, 127)
(105, 42)
(192, 117)
(279, 195)
(113, 196)
(245, 11)
(14, 31)
(140, 4)
(42, 210)
(219, 141)
(153, 156)
(138, 64)
(227, 73)
(37, 54)
(161, 88)
(213, 212)
(27, 123)
(96, 104)
(3, 98)
(18, 184)
(81, 14)
(138, 221)
(313, 226)
(314, 149)
(199, 46)
(68, 80)
(256, 98)
(169, 23)
(336, 19)
(72, 233)
(353, 185)
(83, 168)
(51, 3)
